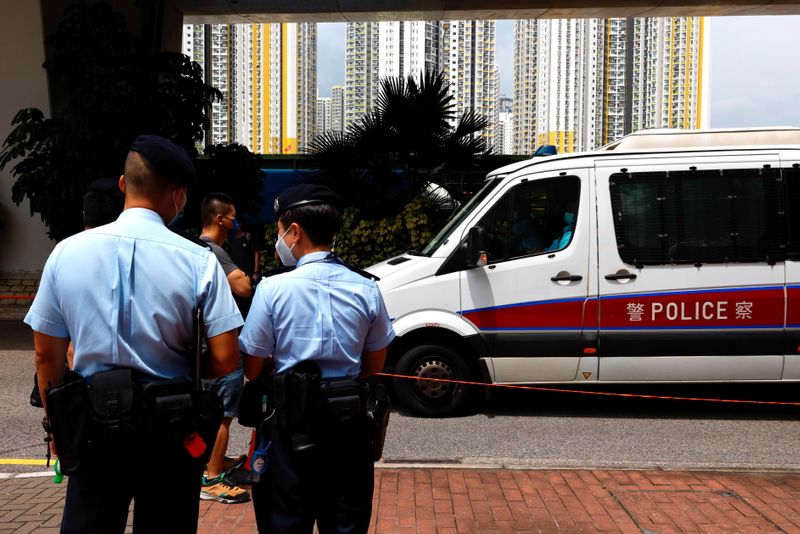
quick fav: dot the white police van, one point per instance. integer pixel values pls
(668, 256)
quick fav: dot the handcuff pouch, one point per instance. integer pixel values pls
(116, 417)
(343, 403)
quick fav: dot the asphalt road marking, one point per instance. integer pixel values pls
(23, 461)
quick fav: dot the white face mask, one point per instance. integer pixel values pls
(178, 213)
(284, 252)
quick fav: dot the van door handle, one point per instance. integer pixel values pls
(625, 276)
(567, 278)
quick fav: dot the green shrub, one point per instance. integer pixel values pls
(362, 242)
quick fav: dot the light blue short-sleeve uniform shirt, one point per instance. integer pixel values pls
(321, 311)
(125, 294)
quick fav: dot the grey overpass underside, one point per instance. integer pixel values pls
(243, 11)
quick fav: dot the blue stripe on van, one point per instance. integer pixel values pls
(691, 292)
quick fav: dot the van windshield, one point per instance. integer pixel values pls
(458, 217)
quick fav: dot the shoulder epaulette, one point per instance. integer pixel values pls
(362, 272)
(356, 270)
(186, 235)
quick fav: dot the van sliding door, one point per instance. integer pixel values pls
(691, 269)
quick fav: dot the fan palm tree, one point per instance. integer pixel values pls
(389, 156)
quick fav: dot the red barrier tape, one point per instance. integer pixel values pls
(17, 296)
(580, 392)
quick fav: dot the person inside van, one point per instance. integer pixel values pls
(527, 235)
(570, 215)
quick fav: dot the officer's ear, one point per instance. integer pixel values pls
(122, 183)
(297, 230)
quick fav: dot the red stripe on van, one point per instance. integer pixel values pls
(793, 307)
(533, 316)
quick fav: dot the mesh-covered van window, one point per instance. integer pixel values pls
(714, 216)
(791, 180)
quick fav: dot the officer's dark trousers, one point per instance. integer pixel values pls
(163, 482)
(332, 486)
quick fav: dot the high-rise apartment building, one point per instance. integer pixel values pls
(211, 46)
(361, 70)
(504, 133)
(468, 60)
(324, 115)
(377, 50)
(464, 50)
(267, 74)
(337, 108)
(504, 142)
(580, 84)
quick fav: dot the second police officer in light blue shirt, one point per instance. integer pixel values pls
(324, 314)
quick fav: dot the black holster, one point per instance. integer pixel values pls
(68, 412)
(297, 399)
(310, 409)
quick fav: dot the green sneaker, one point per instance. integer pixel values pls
(221, 490)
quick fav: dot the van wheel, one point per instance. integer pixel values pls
(427, 397)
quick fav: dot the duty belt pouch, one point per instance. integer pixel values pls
(342, 405)
(170, 411)
(175, 410)
(256, 402)
(68, 412)
(297, 405)
(115, 410)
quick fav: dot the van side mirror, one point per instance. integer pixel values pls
(476, 247)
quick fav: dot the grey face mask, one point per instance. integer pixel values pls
(284, 252)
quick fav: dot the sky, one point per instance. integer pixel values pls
(755, 68)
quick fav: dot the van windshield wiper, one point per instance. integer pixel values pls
(413, 252)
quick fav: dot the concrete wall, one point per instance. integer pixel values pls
(24, 245)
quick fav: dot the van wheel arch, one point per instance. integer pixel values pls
(436, 353)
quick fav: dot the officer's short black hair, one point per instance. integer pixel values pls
(168, 160)
(315, 207)
(214, 204)
(320, 222)
(142, 179)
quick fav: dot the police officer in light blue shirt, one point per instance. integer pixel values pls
(321, 312)
(125, 293)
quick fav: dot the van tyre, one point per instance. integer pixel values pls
(427, 397)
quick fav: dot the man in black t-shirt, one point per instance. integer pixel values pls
(218, 217)
(245, 251)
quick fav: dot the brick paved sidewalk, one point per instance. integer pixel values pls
(494, 500)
